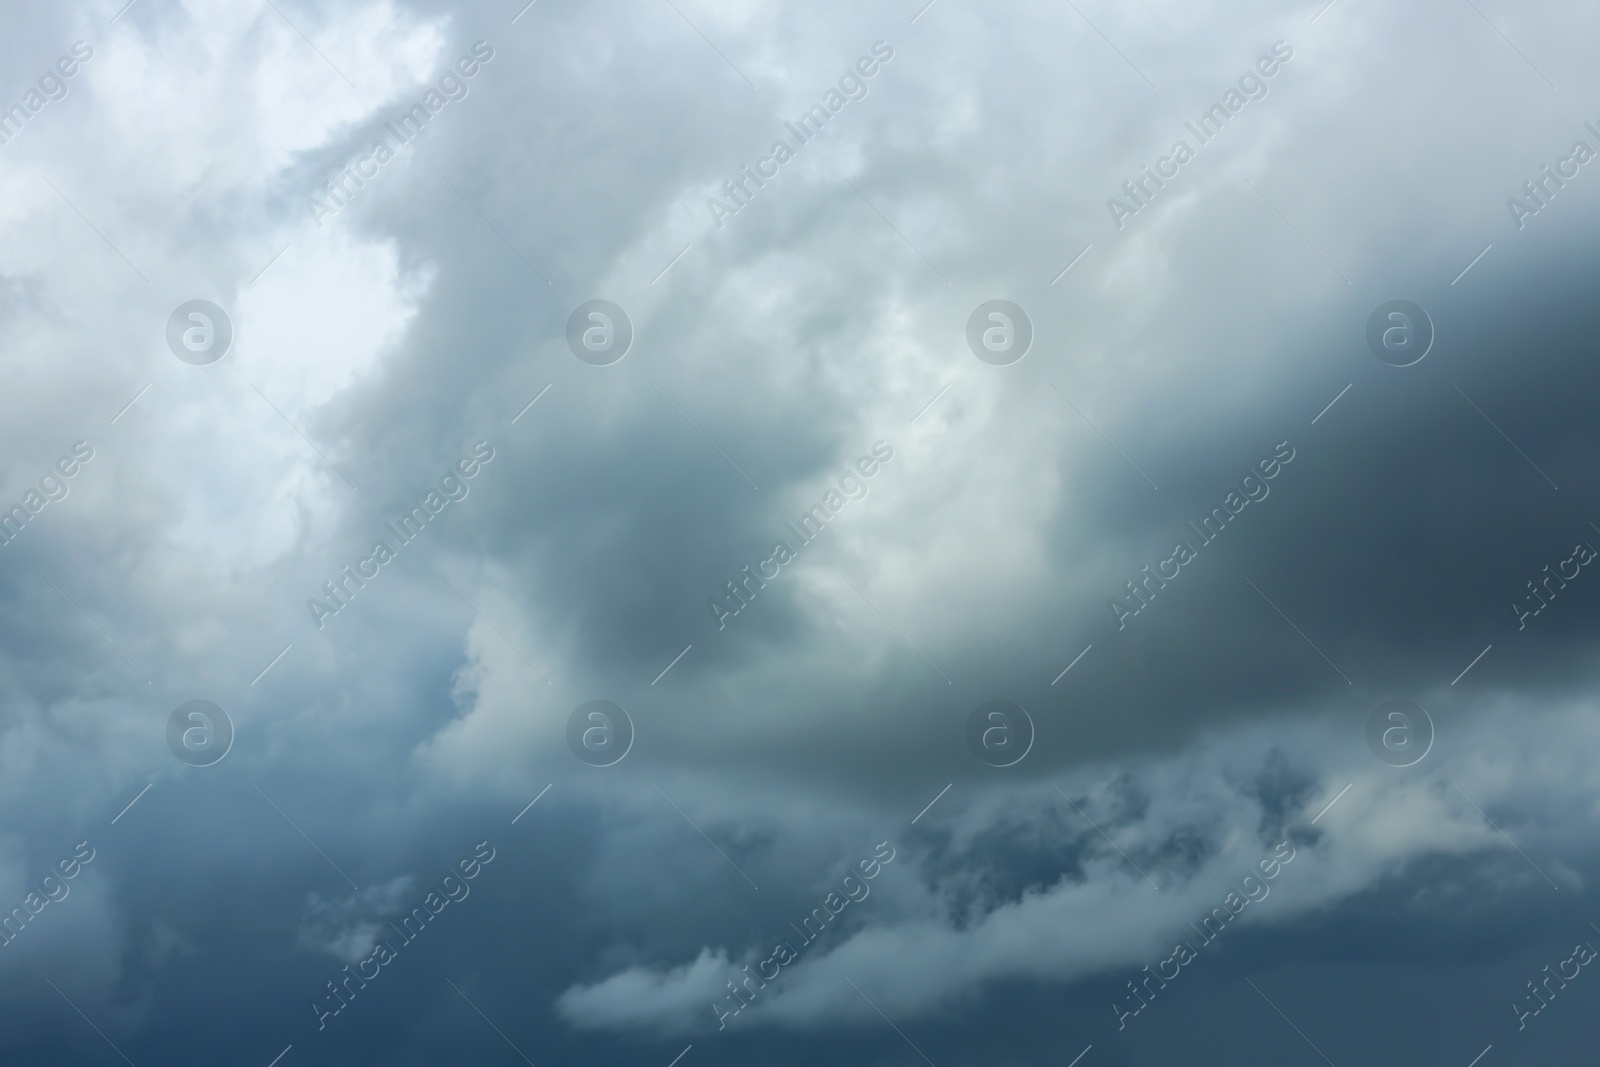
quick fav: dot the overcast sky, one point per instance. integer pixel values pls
(389, 382)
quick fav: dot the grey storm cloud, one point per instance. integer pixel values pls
(301, 422)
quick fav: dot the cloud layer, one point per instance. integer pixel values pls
(796, 316)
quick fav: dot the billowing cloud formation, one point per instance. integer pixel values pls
(1193, 314)
(1164, 853)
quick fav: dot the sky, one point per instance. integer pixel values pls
(683, 532)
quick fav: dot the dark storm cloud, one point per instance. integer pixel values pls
(374, 351)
